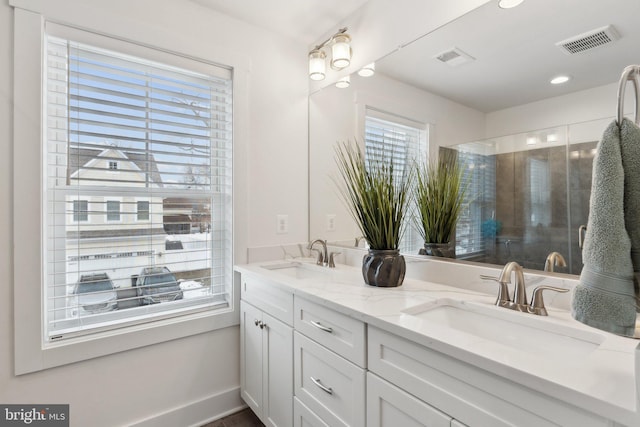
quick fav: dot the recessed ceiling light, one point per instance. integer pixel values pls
(508, 4)
(559, 80)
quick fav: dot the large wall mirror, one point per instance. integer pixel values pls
(480, 85)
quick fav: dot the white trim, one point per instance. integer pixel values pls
(197, 413)
(30, 352)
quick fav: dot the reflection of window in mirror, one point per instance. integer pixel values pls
(404, 141)
(477, 226)
(539, 186)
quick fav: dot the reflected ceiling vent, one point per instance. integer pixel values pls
(454, 57)
(589, 40)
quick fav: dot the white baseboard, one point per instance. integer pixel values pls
(198, 413)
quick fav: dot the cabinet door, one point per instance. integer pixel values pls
(389, 406)
(251, 357)
(277, 372)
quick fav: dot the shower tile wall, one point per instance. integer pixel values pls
(531, 204)
(580, 169)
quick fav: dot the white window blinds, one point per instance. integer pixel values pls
(477, 227)
(138, 188)
(404, 142)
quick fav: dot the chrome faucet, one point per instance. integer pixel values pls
(554, 259)
(358, 240)
(323, 257)
(519, 302)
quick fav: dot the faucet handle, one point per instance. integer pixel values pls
(537, 303)
(332, 263)
(503, 299)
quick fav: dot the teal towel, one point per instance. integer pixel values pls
(605, 297)
(630, 150)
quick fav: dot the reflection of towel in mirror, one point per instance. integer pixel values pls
(630, 150)
(604, 298)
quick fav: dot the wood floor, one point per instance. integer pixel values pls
(244, 418)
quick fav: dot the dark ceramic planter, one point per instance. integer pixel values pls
(443, 250)
(383, 268)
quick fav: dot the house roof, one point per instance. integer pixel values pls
(79, 158)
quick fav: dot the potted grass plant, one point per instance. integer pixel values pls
(439, 193)
(376, 196)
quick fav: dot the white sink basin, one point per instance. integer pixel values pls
(529, 333)
(299, 270)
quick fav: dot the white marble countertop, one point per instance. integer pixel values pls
(602, 380)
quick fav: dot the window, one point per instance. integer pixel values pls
(143, 210)
(540, 193)
(113, 210)
(80, 210)
(477, 226)
(167, 131)
(403, 141)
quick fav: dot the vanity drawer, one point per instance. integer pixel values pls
(387, 406)
(304, 417)
(331, 387)
(268, 298)
(470, 395)
(336, 331)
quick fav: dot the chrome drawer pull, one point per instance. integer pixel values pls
(321, 326)
(324, 388)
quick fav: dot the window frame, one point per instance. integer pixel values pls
(147, 211)
(77, 213)
(31, 352)
(108, 211)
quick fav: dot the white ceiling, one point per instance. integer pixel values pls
(515, 52)
(514, 49)
(306, 20)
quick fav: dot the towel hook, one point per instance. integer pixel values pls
(632, 72)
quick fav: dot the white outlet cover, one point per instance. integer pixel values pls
(282, 224)
(331, 222)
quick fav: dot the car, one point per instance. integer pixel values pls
(157, 284)
(95, 293)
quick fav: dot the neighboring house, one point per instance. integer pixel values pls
(108, 231)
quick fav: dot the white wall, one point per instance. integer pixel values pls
(201, 372)
(337, 114)
(578, 107)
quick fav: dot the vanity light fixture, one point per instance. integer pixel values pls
(558, 80)
(340, 54)
(508, 4)
(343, 83)
(368, 70)
(317, 66)
(532, 140)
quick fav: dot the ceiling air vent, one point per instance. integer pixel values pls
(589, 40)
(454, 57)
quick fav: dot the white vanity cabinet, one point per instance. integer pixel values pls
(266, 348)
(436, 384)
(329, 367)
